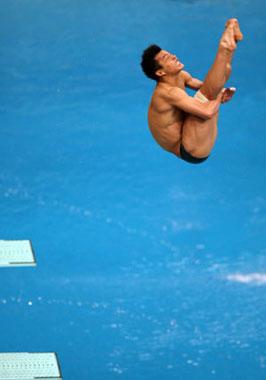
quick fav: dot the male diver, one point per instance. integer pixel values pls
(181, 124)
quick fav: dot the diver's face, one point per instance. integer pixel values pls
(169, 63)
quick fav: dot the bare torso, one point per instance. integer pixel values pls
(171, 126)
(166, 121)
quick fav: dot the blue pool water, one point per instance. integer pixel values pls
(148, 268)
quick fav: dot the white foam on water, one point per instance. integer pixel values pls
(250, 278)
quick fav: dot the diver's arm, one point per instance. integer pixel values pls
(194, 83)
(193, 106)
(191, 82)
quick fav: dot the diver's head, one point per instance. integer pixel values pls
(157, 63)
(148, 63)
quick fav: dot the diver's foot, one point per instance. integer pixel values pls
(228, 93)
(228, 40)
(237, 32)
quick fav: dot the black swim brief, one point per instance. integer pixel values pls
(189, 158)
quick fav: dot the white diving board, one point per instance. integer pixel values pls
(29, 366)
(16, 253)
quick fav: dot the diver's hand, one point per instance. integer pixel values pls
(228, 93)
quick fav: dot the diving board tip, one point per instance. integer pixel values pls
(29, 366)
(16, 253)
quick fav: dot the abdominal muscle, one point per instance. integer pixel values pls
(166, 127)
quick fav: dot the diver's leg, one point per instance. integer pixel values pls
(199, 135)
(221, 68)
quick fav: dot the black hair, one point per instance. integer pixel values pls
(148, 63)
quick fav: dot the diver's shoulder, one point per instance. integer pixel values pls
(162, 90)
(185, 74)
